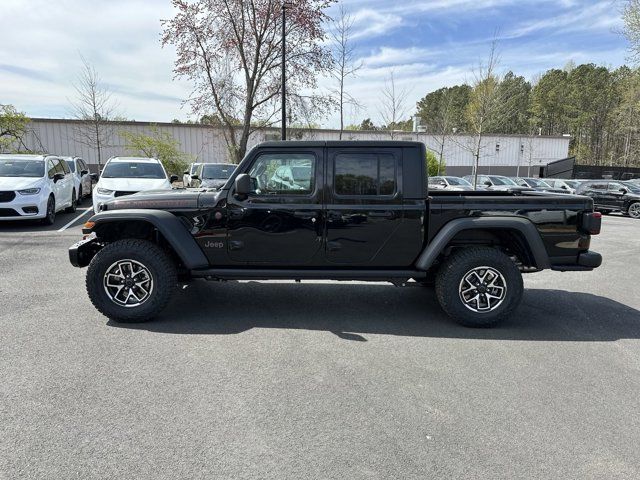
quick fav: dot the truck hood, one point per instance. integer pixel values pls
(176, 199)
(19, 183)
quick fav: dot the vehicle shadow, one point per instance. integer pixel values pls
(353, 311)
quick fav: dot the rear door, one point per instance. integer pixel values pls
(364, 205)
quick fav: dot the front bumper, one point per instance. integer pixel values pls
(81, 253)
(24, 207)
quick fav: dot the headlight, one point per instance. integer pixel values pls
(104, 191)
(29, 191)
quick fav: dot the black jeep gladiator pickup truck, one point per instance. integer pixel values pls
(334, 210)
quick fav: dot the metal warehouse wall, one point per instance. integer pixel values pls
(207, 144)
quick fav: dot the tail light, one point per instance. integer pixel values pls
(591, 222)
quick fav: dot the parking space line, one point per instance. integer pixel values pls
(75, 219)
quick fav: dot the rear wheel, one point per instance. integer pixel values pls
(479, 286)
(51, 211)
(131, 280)
(634, 210)
(74, 202)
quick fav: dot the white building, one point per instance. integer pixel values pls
(499, 154)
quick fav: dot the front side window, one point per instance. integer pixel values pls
(57, 165)
(615, 187)
(21, 168)
(133, 170)
(458, 181)
(283, 173)
(364, 174)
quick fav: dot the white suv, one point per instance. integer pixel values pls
(35, 186)
(127, 175)
(81, 177)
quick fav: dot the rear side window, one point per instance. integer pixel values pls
(362, 174)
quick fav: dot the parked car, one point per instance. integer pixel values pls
(537, 184)
(613, 195)
(186, 176)
(82, 179)
(568, 185)
(212, 175)
(351, 210)
(455, 184)
(128, 175)
(35, 186)
(495, 182)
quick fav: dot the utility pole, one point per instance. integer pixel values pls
(283, 134)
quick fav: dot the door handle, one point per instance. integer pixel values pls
(334, 246)
(304, 215)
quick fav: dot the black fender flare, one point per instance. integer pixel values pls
(170, 226)
(451, 229)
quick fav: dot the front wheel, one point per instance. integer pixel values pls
(50, 216)
(74, 203)
(131, 280)
(479, 286)
(634, 210)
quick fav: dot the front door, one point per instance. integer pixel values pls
(281, 220)
(364, 208)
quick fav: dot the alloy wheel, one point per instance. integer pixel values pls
(128, 283)
(482, 289)
(634, 210)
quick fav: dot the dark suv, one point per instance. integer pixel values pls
(613, 195)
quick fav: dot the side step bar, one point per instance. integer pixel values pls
(306, 274)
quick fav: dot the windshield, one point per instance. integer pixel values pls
(217, 171)
(537, 183)
(503, 181)
(632, 187)
(72, 165)
(458, 181)
(133, 170)
(10, 167)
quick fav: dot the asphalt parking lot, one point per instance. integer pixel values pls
(317, 380)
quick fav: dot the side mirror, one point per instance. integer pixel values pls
(243, 185)
(94, 177)
(58, 176)
(173, 178)
(84, 172)
(195, 177)
(565, 187)
(487, 183)
(624, 190)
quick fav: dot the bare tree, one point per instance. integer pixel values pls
(93, 107)
(443, 124)
(231, 52)
(483, 104)
(393, 104)
(345, 63)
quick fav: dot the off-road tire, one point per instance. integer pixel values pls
(74, 203)
(153, 258)
(458, 265)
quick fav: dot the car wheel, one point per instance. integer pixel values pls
(634, 210)
(74, 203)
(479, 286)
(51, 211)
(131, 280)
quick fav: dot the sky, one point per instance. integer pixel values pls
(427, 44)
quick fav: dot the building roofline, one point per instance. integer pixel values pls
(296, 129)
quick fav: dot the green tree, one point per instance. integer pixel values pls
(445, 109)
(631, 30)
(512, 110)
(549, 102)
(160, 145)
(367, 124)
(434, 166)
(13, 127)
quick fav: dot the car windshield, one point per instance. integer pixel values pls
(458, 181)
(217, 171)
(537, 183)
(632, 187)
(133, 170)
(503, 181)
(72, 165)
(11, 167)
